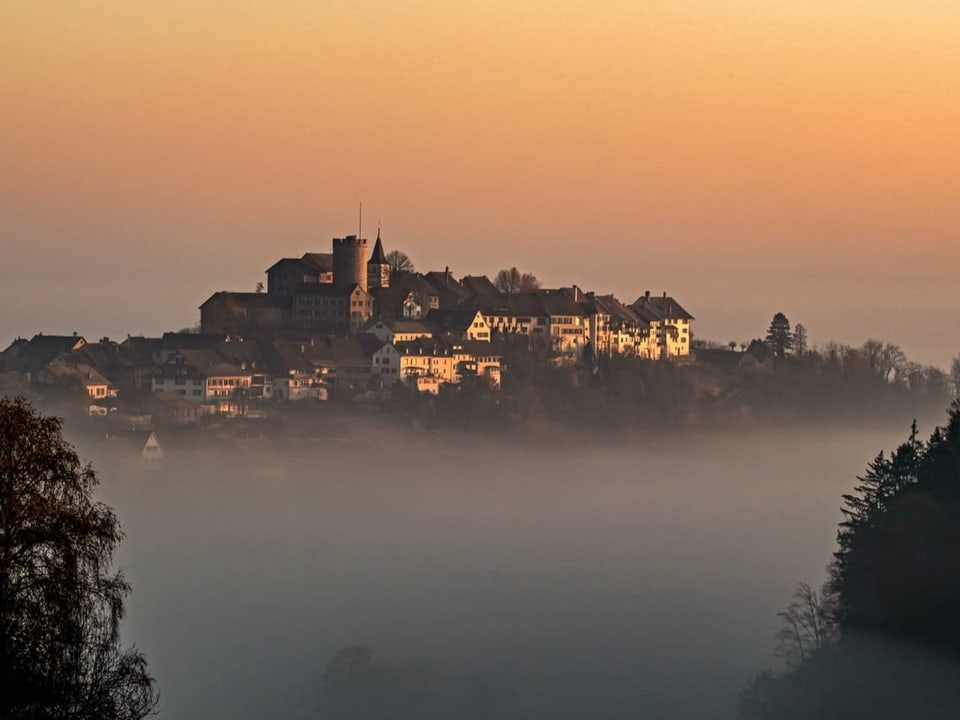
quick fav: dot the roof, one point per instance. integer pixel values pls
(309, 264)
(83, 372)
(665, 307)
(208, 363)
(40, 350)
(556, 303)
(368, 343)
(423, 346)
(618, 311)
(450, 320)
(377, 257)
(480, 286)
(400, 325)
(318, 262)
(190, 341)
(478, 347)
(247, 299)
(326, 290)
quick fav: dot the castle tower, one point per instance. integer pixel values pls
(349, 266)
(378, 271)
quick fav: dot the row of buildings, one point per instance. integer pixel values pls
(342, 321)
(343, 292)
(184, 376)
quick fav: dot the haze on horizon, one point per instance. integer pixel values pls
(747, 156)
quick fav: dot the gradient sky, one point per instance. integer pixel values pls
(748, 156)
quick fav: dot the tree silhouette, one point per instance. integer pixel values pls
(60, 605)
(399, 262)
(779, 338)
(800, 346)
(513, 281)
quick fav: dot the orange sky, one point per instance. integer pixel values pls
(747, 156)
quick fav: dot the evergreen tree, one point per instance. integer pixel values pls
(779, 338)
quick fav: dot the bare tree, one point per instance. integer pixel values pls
(513, 281)
(808, 625)
(955, 375)
(399, 262)
(60, 603)
(800, 345)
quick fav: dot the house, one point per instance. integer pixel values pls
(31, 355)
(96, 386)
(426, 357)
(671, 328)
(477, 359)
(551, 314)
(386, 364)
(142, 442)
(394, 331)
(204, 377)
(617, 329)
(460, 324)
(293, 376)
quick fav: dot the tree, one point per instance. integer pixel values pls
(259, 288)
(60, 604)
(779, 338)
(399, 262)
(808, 626)
(800, 345)
(513, 281)
(955, 376)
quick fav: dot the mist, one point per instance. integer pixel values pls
(603, 581)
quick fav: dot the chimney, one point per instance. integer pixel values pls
(647, 295)
(664, 293)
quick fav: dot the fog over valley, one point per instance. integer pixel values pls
(581, 580)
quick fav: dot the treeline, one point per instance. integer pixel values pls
(882, 639)
(720, 388)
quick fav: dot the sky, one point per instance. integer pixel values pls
(746, 156)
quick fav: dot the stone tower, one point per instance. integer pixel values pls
(349, 261)
(378, 271)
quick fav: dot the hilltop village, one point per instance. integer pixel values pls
(347, 322)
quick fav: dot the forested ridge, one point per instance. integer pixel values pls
(882, 639)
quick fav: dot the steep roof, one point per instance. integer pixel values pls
(458, 321)
(480, 286)
(377, 257)
(318, 262)
(664, 306)
(556, 303)
(40, 350)
(618, 311)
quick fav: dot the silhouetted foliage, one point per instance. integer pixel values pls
(800, 345)
(60, 606)
(513, 281)
(399, 262)
(779, 338)
(893, 593)
(808, 626)
(955, 377)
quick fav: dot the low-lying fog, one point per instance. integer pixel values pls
(595, 582)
